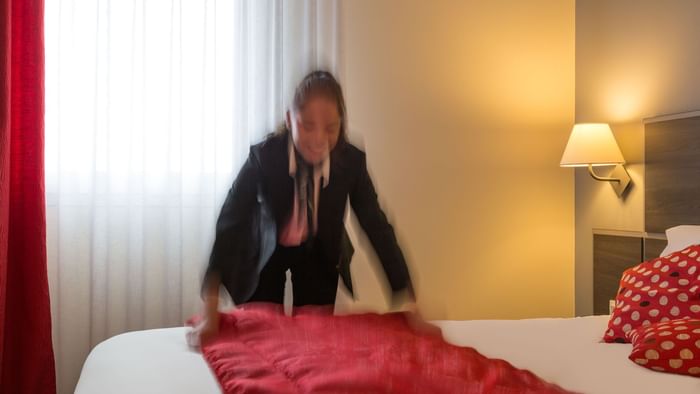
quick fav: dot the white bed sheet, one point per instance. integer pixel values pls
(150, 361)
(568, 352)
(564, 351)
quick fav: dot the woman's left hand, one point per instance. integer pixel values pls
(415, 319)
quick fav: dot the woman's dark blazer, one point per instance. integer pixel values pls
(260, 200)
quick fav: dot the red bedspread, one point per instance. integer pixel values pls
(260, 350)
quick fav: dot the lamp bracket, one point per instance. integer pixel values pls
(619, 178)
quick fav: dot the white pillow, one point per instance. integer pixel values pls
(680, 237)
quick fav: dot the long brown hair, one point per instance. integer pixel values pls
(319, 82)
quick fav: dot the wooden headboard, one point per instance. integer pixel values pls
(672, 173)
(672, 197)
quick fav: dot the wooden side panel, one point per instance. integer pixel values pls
(612, 255)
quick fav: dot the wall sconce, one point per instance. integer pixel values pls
(592, 145)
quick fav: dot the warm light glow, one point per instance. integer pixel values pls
(591, 143)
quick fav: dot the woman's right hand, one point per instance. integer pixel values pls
(209, 329)
(205, 331)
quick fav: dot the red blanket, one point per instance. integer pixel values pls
(260, 350)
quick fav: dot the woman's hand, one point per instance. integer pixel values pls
(205, 331)
(208, 328)
(415, 320)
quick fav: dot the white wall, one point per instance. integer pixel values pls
(464, 108)
(634, 59)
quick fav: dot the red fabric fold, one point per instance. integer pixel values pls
(26, 353)
(260, 350)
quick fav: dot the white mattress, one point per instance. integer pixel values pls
(563, 351)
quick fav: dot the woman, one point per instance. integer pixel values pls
(286, 208)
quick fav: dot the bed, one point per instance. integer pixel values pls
(567, 352)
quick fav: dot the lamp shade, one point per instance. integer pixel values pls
(591, 143)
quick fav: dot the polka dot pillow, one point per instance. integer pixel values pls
(657, 290)
(671, 346)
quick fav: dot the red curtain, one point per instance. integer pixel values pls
(26, 352)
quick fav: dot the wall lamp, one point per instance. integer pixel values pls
(592, 145)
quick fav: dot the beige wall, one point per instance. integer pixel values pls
(464, 109)
(634, 59)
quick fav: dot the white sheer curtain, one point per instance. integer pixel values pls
(150, 109)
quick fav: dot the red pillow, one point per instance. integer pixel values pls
(657, 290)
(672, 346)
